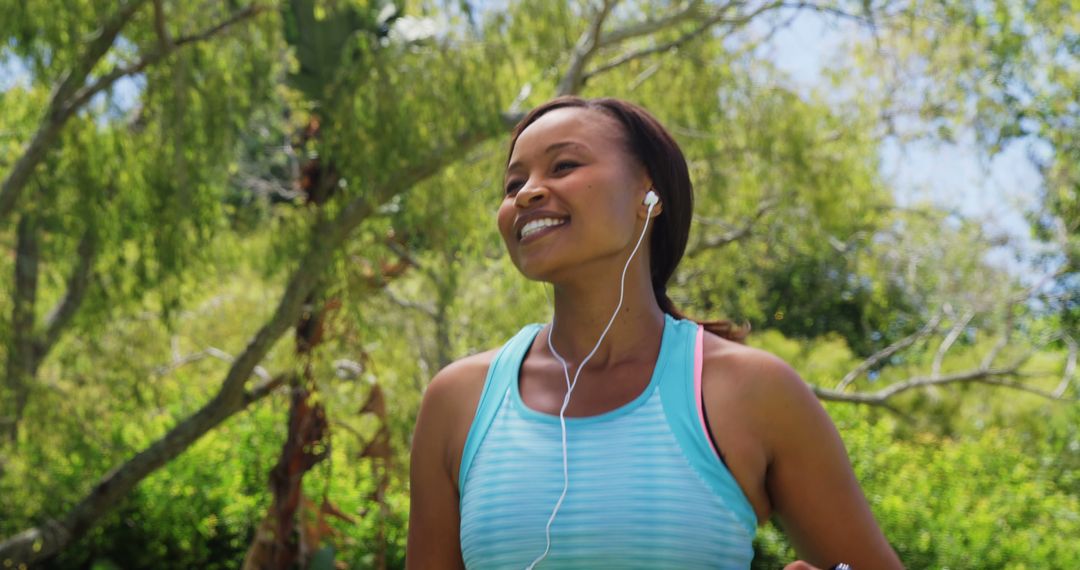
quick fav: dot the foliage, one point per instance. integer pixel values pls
(990, 500)
(186, 176)
(1002, 73)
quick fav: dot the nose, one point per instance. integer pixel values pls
(531, 196)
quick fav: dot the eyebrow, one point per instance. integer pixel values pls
(550, 149)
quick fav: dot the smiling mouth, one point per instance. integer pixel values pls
(539, 227)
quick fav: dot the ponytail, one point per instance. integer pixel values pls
(725, 329)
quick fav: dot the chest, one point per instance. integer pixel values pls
(633, 499)
(542, 385)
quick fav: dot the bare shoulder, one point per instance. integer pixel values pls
(755, 373)
(803, 472)
(776, 405)
(460, 382)
(749, 396)
(441, 428)
(450, 402)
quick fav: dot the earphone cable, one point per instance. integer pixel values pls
(571, 384)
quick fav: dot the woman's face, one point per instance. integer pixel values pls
(572, 195)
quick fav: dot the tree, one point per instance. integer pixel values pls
(386, 138)
(106, 179)
(1002, 72)
(72, 65)
(397, 179)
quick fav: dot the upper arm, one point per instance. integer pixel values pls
(810, 482)
(434, 517)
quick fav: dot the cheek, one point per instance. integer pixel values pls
(504, 218)
(615, 217)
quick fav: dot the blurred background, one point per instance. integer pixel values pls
(238, 237)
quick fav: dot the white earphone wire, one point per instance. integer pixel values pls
(651, 201)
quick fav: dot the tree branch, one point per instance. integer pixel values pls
(22, 357)
(586, 46)
(888, 351)
(717, 241)
(208, 352)
(831, 11)
(266, 387)
(946, 344)
(691, 10)
(1070, 368)
(78, 283)
(83, 96)
(406, 255)
(164, 40)
(1025, 388)
(59, 111)
(983, 374)
(645, 52)
(1003, 340)
(39, 543)
(421, 308)
(975, 375)
(992, 376)
(72, 93)
(628, 57)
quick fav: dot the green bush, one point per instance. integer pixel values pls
(997, 499)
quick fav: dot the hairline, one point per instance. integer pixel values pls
(588, 105)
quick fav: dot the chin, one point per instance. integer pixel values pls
(548, 270)
(559, 265)
(534, 271)
(539, 268)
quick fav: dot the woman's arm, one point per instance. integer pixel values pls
(810, 482)
(433, 509)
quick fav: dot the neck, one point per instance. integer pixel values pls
(583, 310)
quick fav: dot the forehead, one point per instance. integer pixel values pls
(591, 128)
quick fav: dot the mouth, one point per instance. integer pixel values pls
(540, 227)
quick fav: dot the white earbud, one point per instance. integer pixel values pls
(651, 199)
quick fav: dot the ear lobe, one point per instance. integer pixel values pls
(652, 204)
(656, 210)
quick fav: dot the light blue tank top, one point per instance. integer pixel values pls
(647, 490)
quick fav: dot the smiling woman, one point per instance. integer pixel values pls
(678, 441)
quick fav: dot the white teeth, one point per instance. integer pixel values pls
(537, 225)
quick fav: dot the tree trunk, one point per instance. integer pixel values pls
(22, 359)
(300, 452)
(30, 344)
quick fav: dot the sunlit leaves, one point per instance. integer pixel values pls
(164, 169)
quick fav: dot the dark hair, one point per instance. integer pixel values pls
(654, 148)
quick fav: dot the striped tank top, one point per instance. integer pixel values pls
(647, 490)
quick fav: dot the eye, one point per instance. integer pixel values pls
(565, 165)
(512, 186)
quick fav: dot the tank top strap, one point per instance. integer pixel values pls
(503, 370)
(680, 395)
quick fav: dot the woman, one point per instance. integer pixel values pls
(677, 442)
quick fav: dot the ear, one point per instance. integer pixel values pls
(656, 209)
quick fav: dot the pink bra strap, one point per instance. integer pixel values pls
(698, 359)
